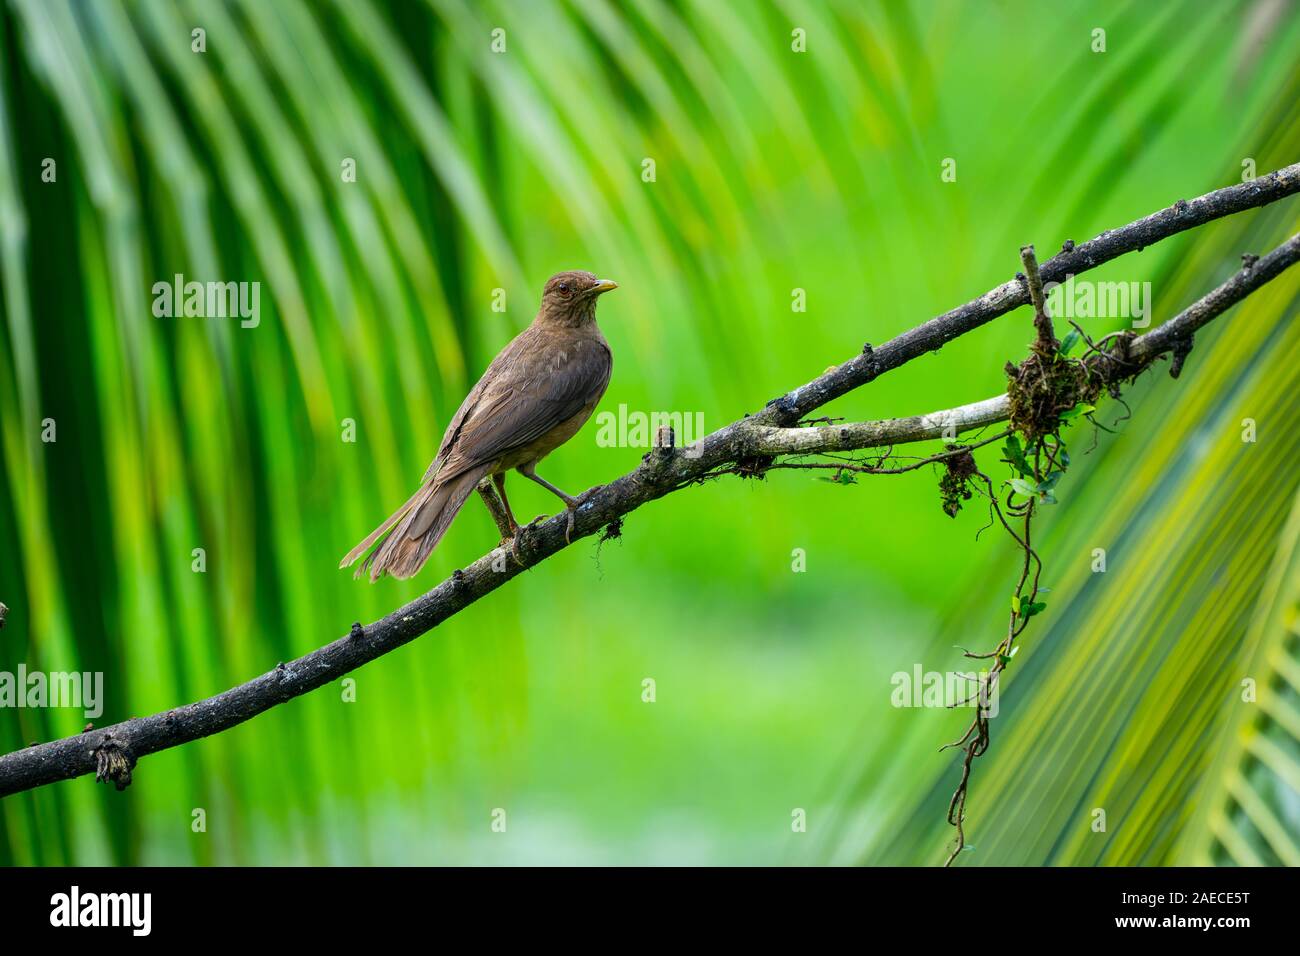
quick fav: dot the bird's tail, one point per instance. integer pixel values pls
(409, 535)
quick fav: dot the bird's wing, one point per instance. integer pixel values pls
(494, 373)
(539, 391)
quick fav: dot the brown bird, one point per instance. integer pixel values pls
(533, 398)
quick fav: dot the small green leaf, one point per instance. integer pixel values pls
(1083, 408)
(1035, 607)
(1022, 487)
(1048, 483)
(1015, 456)
(1070, 341)
(1015, 604)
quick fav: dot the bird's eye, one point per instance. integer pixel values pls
(564, 288)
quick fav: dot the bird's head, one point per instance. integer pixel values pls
(569, 298)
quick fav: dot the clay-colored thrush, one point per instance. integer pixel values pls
(533, 398)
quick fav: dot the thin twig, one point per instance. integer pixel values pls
(1046, 344)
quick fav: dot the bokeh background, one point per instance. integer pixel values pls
(774, 170)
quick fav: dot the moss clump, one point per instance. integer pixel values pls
(1041, 388)
(753, 466)
(953, 483)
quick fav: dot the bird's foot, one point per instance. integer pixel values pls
(516, 538)
(513, 532)
(511, 544)
(571, 506)
(511, 538)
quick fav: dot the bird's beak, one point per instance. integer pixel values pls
(604, 285)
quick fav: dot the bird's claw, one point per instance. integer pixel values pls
(511, 544)
(571, 510)
(572, 505)
(520, 531)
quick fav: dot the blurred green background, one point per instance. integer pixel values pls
(775, 170)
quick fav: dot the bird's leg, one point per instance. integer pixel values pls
(500, 481)
(570, 503)
(512, 530)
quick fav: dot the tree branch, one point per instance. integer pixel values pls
(1142, 350)
(1072, 260)
(112, 752)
